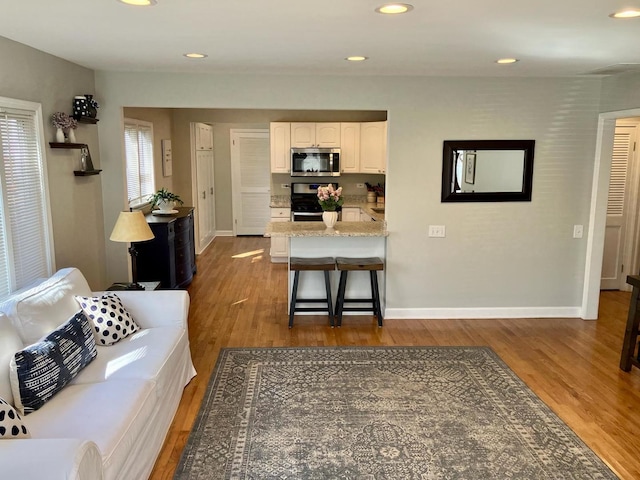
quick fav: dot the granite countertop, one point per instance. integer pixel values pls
(280, 201)
(360, 201)
(318, 229)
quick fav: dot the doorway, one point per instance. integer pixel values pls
(250, 181)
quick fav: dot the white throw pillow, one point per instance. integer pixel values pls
(11, 425)
(110, 320)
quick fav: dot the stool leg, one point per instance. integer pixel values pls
(327, 286)
(294, 294)
(376, 296)
(340, 301)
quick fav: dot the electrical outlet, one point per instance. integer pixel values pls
(360, 185)
(577, 231)
(437, 231)
(285, 185)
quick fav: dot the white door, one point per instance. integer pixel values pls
(206, 197)
(613, 274)
(251, 181)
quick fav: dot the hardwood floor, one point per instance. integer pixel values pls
(238, 299)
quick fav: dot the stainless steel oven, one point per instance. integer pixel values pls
(315, 162)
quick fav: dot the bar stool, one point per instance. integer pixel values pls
(372, 265)
(323, 264)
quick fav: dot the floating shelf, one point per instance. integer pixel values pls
(67, 145)
(86, 173)
(82, 119)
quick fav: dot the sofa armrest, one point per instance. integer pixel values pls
(159, 308)
(54, 459)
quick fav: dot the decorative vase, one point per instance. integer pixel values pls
(329, 218)
(72, 136)
(92, 112)
(371, 197)
(80, 106)
(165, 205)
(59, 135)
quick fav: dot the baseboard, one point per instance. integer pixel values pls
(475, 313)
(224, 233)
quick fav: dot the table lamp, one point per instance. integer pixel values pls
(132, 227)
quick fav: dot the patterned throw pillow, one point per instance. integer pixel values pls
(111, 322)
(41, 370)
(11, 425)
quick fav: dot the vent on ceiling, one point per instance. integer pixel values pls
(616, 69)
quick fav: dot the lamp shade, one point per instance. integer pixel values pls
(131, 227)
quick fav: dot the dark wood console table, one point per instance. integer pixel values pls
(170, 257)
(629, 356)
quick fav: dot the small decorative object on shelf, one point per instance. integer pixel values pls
(92, 106)
(330, 199)
(62, 122)
(164, 200)
(85, 109)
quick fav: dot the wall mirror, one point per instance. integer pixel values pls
(487, 170)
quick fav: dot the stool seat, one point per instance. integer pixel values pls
(319, 264)
(346, 265)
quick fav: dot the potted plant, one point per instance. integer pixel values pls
(164, 200)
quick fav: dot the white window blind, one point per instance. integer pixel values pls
(618, 179)
(138, 141)
(26, 248)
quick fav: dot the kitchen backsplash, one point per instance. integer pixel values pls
(348, 182)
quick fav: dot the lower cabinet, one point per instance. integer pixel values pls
(280, 245)
(350, 214)
(170, 257)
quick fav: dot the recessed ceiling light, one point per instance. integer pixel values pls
(357, 58)
(629, 13)
(506, 61)
(195, 55)
(394, 8)
(139, 3)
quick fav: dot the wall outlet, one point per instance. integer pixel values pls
(285, 185)
(438, 231)
(577, 231)
(360, 185)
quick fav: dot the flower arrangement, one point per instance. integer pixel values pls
(378, 189)
(330, 198)
(63, 121)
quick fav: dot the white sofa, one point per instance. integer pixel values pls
(110, 422)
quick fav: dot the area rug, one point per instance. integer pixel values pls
(378, 413)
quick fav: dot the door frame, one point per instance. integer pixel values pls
(598, 210)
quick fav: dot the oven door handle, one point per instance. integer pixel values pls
(308, 214)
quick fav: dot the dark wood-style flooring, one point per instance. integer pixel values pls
(238, 299)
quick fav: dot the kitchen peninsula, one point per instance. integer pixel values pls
(346, 239)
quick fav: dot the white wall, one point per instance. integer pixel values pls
(495, 255)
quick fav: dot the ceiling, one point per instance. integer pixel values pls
(439, 37)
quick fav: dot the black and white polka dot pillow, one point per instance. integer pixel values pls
(11, 425)
(111, 322)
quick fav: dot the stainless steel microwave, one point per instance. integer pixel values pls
(315, 162)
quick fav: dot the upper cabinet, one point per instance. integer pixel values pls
(350, 147)
(204, 136)
(280, 141)
(373, 147)
(307, 135)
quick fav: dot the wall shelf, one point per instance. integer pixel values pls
(86, 173)
(82, 119)
(67, 145)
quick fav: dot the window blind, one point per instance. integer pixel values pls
(25, 247)
(138, 139)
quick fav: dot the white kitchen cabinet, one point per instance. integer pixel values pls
(280, 245)
(350, 147)
(373, 147)
(204, 136)
(350, 214)
(309, 134)
(280, 144)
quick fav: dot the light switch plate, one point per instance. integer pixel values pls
(577, 231)
(437, 231)
(360, 185)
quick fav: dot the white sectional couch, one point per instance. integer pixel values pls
(111, 420)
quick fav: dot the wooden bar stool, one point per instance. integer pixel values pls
(372, 265)
(325, 265)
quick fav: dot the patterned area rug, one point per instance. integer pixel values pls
(378, 413)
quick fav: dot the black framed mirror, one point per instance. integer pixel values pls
(487, 170)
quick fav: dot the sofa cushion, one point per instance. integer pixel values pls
(10, 343)
(41, 370)
(11, 425)
(149, 354)
(110, 320)
(112, 414)
(37, 311)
